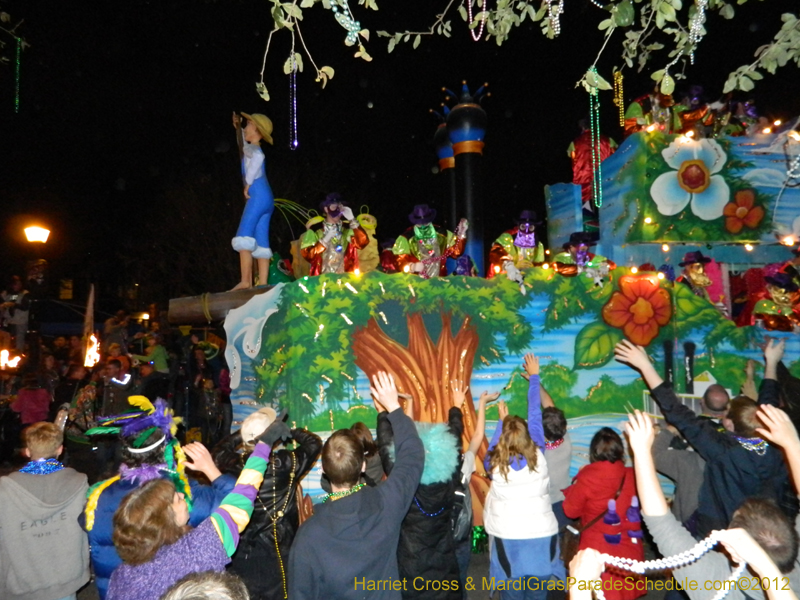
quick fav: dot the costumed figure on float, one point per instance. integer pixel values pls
(424, 248)
(583, 157)
(694, 273)
(654, 109)
(252, 237)
(327, 244)
(368, 256)
(576, 259)
(518, 245)
(780, 309)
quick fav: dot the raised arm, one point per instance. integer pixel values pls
(480, 422)
(545, 398)
(640, 437)
(700, 433)
(535, 427)
(401, 484)
(234, 513)
(773, 353)
(779, 430)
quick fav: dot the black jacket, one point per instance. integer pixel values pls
(426, 554)
(256, 560)
(346, 550)
(733, 473)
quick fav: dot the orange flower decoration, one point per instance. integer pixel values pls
(640, 308)
(741, 213)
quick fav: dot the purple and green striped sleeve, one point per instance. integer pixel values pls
(236, 508)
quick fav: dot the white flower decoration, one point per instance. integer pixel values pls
(693, 181)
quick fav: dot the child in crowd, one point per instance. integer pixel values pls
(602, 497)
(350, 542)
(518, 513)
(44, 553)
(152, 536)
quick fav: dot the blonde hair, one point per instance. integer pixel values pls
(43, 440)
(515, 441)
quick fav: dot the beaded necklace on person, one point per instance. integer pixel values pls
(280, 514)
(672, 562)
(548, 445)
(427, 514)
(754, 444)
(42, 467)
(333, 496)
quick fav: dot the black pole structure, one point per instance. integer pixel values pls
(444, 152)
(466, 126)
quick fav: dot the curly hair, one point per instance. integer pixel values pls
(145, 521)
(514, 442)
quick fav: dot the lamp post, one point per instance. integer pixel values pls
(35, 235)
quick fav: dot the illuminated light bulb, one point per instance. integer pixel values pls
(748, 247)
(547, 251)
(356, 271)
(788, 241)
(683, 140)
(690, 134)
(496, 269)
(665, 247)
(777, 122)
(795, 136)
(545, 266)
(634, 270)
(648, 220)
(766, 130)
(406, 268)
(650, 128)
(660, 275)
(37, 234)
(145, 316)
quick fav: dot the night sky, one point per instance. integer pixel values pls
(124, 144)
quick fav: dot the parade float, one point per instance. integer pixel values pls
(724, 211)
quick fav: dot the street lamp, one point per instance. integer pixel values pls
(37, 234)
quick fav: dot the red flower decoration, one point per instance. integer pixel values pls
(640, 308)
(741, 213)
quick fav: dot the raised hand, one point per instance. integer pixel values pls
(640, 433)
(384, 389)
(237, 120)
(459, 393)
(773, 352)
(631, 354)
(778, 427)
(502, 410)
(531, 364)
(201, 460)
(485, 398)
(347, 213)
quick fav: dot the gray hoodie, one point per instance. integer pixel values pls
(44, 553)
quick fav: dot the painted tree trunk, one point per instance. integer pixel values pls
(425, 371)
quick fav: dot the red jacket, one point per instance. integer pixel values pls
(594, 485)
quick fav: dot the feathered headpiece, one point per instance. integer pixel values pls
(135, 428)
(143, 422)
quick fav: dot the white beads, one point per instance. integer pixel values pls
(670, 562)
